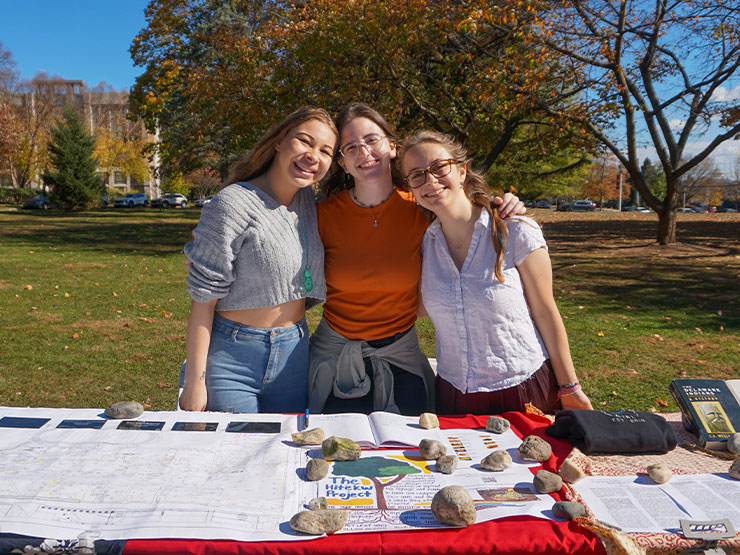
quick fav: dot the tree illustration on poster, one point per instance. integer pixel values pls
(375, 469)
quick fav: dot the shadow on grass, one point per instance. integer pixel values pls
(628, 234)
(697, 280)
(144, 231)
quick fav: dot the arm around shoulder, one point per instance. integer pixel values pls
(536, 275)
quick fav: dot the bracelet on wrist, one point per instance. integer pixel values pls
(567, 385)
(563, 391)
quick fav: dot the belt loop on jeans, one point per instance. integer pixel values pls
(235, 331)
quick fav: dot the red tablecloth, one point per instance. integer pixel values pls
(511, 535)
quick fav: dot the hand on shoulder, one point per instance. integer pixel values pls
(509, 206)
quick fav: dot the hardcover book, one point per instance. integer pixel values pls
(710, 409)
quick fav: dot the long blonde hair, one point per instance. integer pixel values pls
(475, 187)
(259, 159)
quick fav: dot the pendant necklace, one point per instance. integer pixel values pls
(307, 279)
(371, 206)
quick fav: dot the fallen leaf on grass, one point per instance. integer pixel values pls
(600, 334)
(602, 403)
(615, 393)
(28, 287)
(658, 336)
(115, 294)
(653, 409)
(107, 387)
(662, 402)
(163, 385)
(75, 335)
(699, 330)
(66, 294)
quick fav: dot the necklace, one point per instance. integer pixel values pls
(371, 206)
(307, 279)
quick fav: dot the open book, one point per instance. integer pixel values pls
(378, 429)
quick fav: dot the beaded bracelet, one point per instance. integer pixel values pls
(568, 389)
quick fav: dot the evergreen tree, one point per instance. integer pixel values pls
(73, 181)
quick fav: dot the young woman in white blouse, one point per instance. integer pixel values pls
(487, 286)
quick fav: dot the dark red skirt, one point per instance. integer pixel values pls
(540, 390)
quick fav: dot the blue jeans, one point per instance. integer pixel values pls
(257, 369)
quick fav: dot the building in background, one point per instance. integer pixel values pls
(119, 140)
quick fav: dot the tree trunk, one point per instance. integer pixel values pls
(667, 226)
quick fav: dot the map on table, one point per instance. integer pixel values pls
(184, 475)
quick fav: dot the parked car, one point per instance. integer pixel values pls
(104, 200)
(542, 204)
(201, 202)
(728, 206)
(688, 209)
(712, 209)
(131, 200)
(170, 199)
(39, 201)
(562, 206)
(528, 204)
(580, 206)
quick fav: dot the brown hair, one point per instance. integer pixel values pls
(340, 180)
(258, 160)
(475, 187)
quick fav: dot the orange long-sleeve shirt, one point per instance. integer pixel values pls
(372, 273)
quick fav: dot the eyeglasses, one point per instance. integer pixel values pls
(439, 168)
(352, 148)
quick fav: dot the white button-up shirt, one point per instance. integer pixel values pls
(486, 338)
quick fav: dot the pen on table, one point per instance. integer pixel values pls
(305, 420)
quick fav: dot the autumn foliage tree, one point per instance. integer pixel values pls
(218, 73)
(121, 144)
(650, 70)
(601, 182)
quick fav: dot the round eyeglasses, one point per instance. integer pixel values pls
(352, 148)
(439, 169)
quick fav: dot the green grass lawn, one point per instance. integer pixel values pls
(93, 305)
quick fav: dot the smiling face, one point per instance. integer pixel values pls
(367, 163)
(304, 155)
(437, 193)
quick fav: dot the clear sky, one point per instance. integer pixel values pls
(74, 39)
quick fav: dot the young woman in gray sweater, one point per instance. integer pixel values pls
(257, 264)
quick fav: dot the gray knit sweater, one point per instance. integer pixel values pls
(249, 251)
